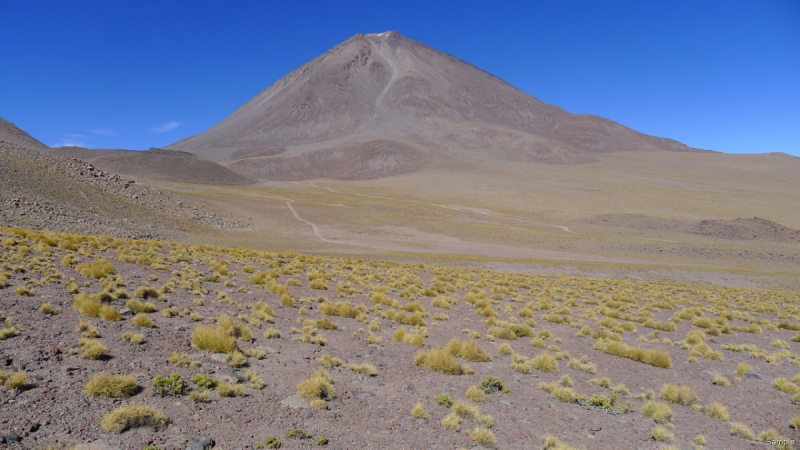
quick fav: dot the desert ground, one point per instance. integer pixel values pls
(243, 347)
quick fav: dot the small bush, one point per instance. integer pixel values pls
(168, 386)
(682, 395)
(505, 349)
(469, 350)
(272, 333)
(318, 387)
(133, 338)
(298, 433)
(490, 385)
(98, 268)
(545, 362)
(229, 390)
(48, 310)
(743, 369)
(272, 442)
(719, 380)
(16, 380)
(111, 386)
(438, 360)
(660, 434)
(92, 349)
(717, 411)
(141, 320)
(235, 359)
(87, 330)
(140, 307)
(657, 358)
(659, 412)
(418, 411)
(322, 440)
(484, 437)
(213, 339)
(128, 417)
(364, 368)
(743, 432)
(444, 400)
(475, 394)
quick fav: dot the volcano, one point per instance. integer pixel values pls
(380, 105)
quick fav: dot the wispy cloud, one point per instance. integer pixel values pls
(166, 127)
(69, 143)
(75, 136)
(108, 132)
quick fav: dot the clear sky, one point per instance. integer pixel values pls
(719, 75)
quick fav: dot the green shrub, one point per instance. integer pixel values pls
(171, 385)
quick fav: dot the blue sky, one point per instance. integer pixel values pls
(720, 75)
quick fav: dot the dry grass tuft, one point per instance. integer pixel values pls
(128, 417)
(717, 411)
(438, 360)
(111, 386)
(213, 339)
(682, 395)
(657, 357)
(659, 412)
(469, 350)
(419, 412)
(318, 388)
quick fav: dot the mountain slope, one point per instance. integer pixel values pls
(11, 133)
(391, 105)
(156, 164)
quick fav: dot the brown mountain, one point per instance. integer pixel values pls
(156, 164)
(14, 135)
(383, 104)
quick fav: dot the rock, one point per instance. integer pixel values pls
(96, 445)
(200, 443)
(52, 351)
(220, 357)
(268, 349)
(10, 438)
(125, 311)
(32, 427)
(295, 401)
(755, 375)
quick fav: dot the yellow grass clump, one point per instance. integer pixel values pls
(469, 350)
(717, 411)
(419, 412)
(659, 412)
(128, 417)
(682, 395)
(438, 360)
(657, 357)
(213, 339)
(98, 268)
(544, 362)
(111, 386)
(92, 349)
(318, 388)
(92, 306)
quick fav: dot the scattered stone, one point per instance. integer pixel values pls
(295, 401)
(96, 445)
(200, 443)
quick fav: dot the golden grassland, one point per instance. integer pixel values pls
(519, 321)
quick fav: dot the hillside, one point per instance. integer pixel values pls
(12, 134)
(378, 105)
(55, 193)
(156, 164)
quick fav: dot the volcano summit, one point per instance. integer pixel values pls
(378, 105)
